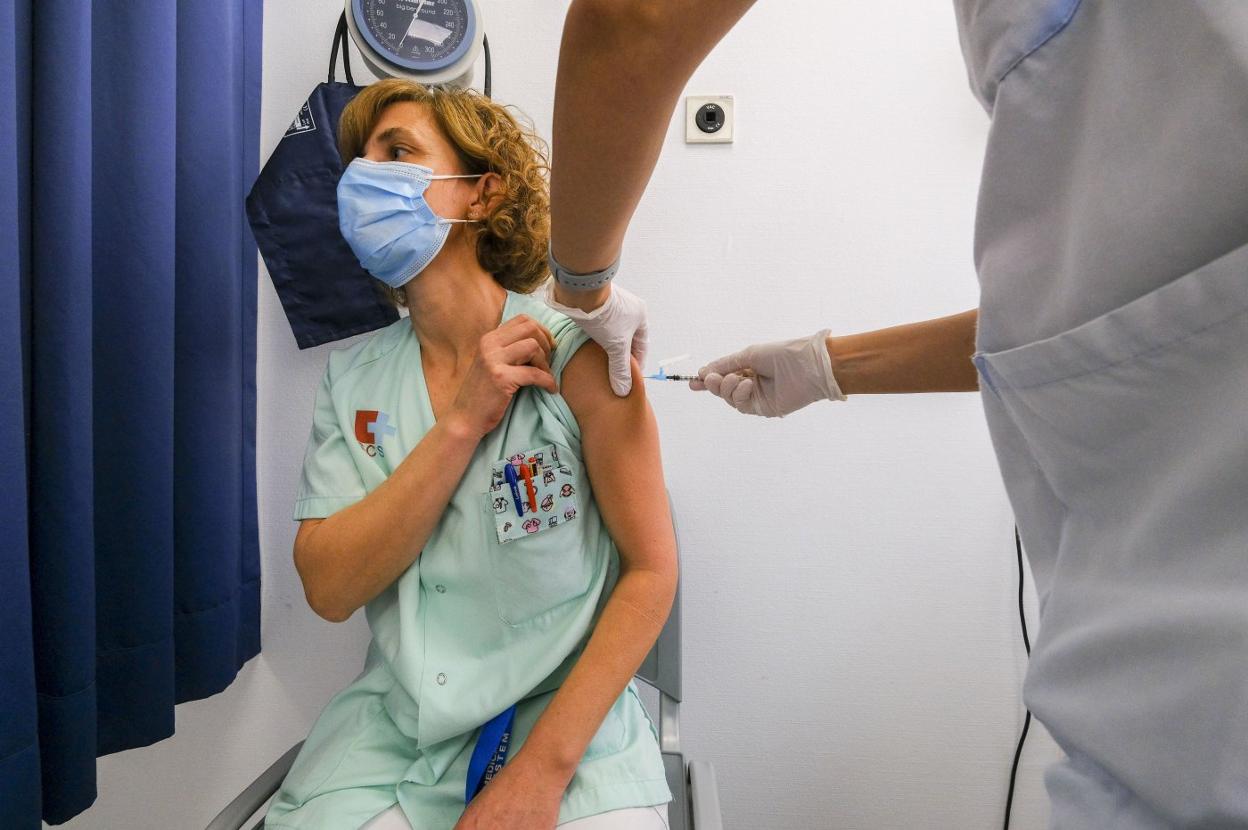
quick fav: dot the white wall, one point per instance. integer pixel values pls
(852, 649)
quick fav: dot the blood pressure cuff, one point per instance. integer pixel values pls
(293, 211)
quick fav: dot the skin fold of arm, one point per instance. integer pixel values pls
(929, 356)
(352, 556)
(620, 442)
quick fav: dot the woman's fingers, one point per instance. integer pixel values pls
(514, 355)
(522, 327)
(524, 351)
(523, 363)
(527, 351)
(532, 376)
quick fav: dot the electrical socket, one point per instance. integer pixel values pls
(709, 119)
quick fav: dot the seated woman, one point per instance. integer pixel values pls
(480, 595)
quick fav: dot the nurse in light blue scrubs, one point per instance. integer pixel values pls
(1110, 346)
(473, 484)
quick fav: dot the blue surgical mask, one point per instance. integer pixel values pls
(384, 217)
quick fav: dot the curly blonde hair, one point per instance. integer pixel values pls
(513, 236)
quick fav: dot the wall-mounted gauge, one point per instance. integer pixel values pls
(428, 41)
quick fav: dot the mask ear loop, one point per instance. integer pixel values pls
(457, 176)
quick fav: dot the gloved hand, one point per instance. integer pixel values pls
(773, 379)
(618, 325)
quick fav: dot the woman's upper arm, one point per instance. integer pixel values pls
(306, 569)
(620, 444)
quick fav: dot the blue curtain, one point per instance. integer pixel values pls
(129, 571)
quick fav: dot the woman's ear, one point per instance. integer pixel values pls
(488, 191)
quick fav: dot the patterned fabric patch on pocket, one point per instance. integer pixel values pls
(551, 502)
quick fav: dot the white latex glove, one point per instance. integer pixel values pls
(618, 325)
(773, 379)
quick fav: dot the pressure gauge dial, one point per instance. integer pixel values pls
(428, 41)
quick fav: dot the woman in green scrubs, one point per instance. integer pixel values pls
(479, 596)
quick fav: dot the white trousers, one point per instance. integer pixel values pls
(633, 818)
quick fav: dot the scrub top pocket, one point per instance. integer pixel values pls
(1124, 390)
(553, 503)
(539, 557)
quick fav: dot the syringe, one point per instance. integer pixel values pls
(662, 373)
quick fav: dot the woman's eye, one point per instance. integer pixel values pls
(395, 151)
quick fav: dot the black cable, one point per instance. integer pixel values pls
(346, 52)
(333, 50)
(340, 36)
(1018, 753)
(1022, 615)
(1022, 619)
(489, 74)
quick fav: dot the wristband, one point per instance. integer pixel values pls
(581, 282)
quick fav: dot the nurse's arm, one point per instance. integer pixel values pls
(622, 66)
(928, 356)
(620, 442)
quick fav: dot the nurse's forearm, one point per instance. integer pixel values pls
(622, 66)
(358, 552)
(930, 356)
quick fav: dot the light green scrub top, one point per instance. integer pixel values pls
(474, 624)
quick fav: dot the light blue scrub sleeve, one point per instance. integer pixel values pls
(330, 479)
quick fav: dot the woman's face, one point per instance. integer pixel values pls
(407, 132)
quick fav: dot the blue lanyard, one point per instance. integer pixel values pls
(490, 753)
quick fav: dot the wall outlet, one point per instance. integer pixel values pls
(708, 119)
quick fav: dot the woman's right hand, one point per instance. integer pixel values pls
(515, 354)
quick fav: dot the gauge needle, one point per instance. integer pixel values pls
(424, 30)
(412, 25)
